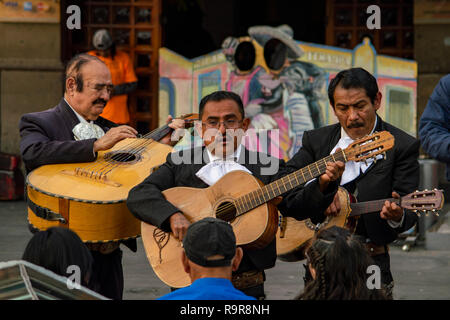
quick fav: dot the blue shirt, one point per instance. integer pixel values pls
(207, 289)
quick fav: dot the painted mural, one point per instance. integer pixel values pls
(283, 84)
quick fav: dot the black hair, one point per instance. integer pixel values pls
(58, 248)
(219, 96)
(73, 69)
(354, 78)
(341, 263)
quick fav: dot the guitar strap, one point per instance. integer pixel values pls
(45, 213)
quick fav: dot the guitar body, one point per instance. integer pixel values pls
(94, 204)
(293, 236)
(253, 229)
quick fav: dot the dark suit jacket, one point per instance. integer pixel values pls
(147, 203)
(47, 138)
(399, 172)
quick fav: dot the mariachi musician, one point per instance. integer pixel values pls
(73, 132)
(222, 116)
(355, 98)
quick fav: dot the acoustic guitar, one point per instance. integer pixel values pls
(90, 198)
(242, 200)
(294, 236)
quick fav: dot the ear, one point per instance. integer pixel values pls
(237, 259)
(70, 85)
(245, 123)
(313, 272)
(185, 262)
(377, 101)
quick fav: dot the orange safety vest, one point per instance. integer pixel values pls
(122, 71)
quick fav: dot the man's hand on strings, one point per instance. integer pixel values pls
(179, 225)
(173, 124)
(334, 208)
(114, 135)
(333, 172)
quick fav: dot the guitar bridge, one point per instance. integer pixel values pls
(91, 175)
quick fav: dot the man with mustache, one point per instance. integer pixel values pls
(223, 125)
(355, 99)
(72, 132)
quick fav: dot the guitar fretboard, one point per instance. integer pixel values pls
(359, 208)
(272, 190)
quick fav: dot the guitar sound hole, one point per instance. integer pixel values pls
(121, 157)
(226, 211)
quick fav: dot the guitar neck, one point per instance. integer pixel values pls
(158, 134)
(272, 190)
(360, 208)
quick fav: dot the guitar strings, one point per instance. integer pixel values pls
(140, 145)
(338, 156)
(292, 179)
(128, 155)
(142, 142)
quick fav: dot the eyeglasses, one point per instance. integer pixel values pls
(100, 87)
(228, 124)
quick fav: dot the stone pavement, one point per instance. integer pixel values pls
(421, 273)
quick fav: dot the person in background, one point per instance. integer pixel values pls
(338, 264)
(210, 256)
(434, 125)
(56, 249)
(122, 74)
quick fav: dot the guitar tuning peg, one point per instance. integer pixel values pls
(437, 214)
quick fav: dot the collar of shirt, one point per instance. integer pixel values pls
(80, 118)
(352, 169)
(217, 167)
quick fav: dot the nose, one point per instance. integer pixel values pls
(105, 94)
(222, 129)
(353, 114)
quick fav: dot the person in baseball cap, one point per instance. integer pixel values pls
(210, 256)
(122, 72)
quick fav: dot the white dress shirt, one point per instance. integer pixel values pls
(85, 130)
(217, 167)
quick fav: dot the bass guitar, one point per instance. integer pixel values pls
(293, 236)
(242, 200)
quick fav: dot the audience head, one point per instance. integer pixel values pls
(210, 249)
(338, 264)
(58, 248)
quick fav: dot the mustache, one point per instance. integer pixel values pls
(355, 125)
(100, 101)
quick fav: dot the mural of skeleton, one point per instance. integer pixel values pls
(280, 94)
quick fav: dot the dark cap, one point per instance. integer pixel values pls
(102, 39)
(209, 237)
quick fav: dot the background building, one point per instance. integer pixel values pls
(36, 41)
